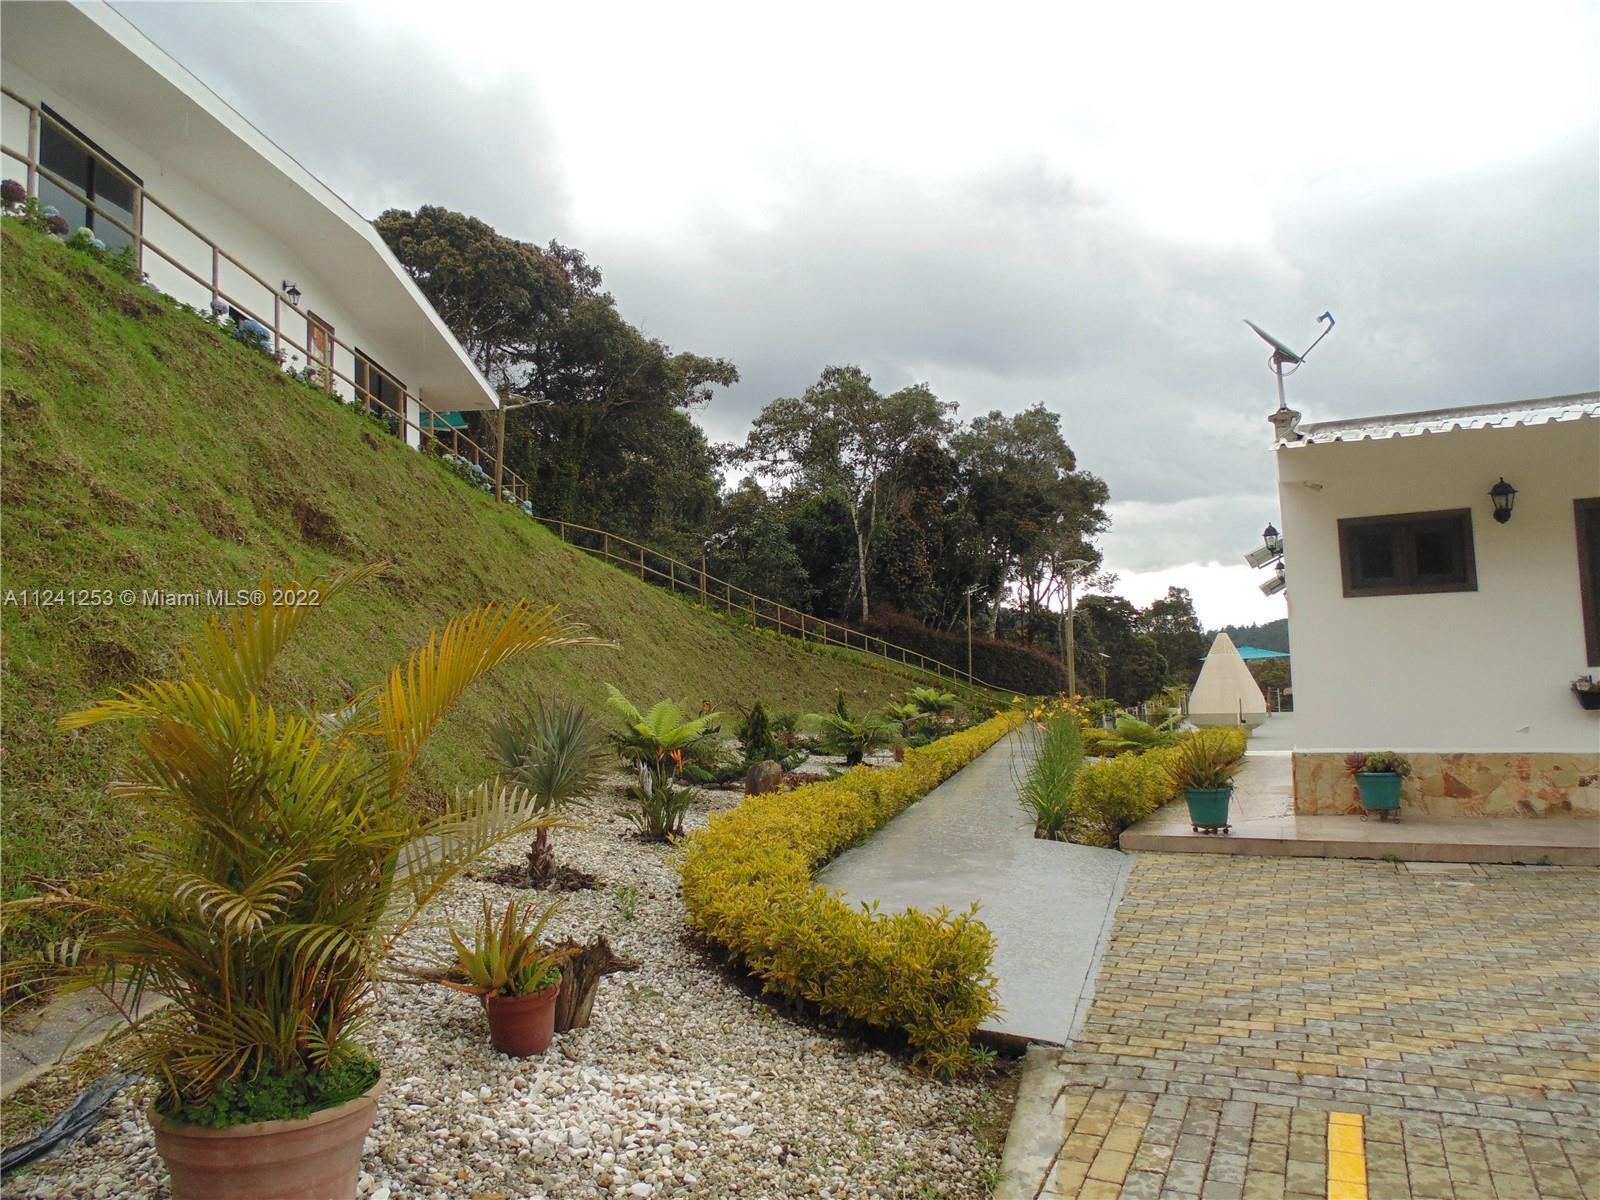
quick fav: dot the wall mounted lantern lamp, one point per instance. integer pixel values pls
(1504, 496)
(292, 292)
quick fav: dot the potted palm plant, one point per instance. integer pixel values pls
(277, 864)
(1378, 774)
(516, 978)
(1204, 767)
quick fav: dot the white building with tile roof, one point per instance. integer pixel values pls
(1430, 617)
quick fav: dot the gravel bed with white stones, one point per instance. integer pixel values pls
(686, 1084)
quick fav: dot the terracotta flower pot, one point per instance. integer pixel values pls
(522, 1026)
(319, 1155)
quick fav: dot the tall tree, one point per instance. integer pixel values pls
(1110, 647)
(1029, 504)
(613, 444)
(750, 548)
(1173, 623)
(496, 294)
(844, 435)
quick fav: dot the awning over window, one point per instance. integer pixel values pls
(442, 421)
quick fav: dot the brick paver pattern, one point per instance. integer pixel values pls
(1268, 1028)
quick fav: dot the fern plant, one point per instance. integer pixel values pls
(652, 736)
(839, 733)
(555, 752)
(932, 701)
(278, 861)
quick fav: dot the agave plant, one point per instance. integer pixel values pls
(278, 861)
(652, 736)
(506, 958)
(554, 752)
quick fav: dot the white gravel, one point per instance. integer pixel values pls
(685, 1085)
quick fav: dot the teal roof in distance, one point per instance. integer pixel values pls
(1252, 653)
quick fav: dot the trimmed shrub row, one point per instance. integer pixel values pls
(747, 883)
(1110, 794)
(1021, 669)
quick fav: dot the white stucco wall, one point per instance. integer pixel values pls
(264, 254)
(1486, 670)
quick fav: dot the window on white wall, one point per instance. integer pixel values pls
(1588, 515)
(1408, 553)
(95, 175)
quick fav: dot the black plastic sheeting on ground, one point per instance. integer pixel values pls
(81, 1116)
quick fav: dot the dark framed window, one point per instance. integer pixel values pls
(1587, 513)
(1408, 554)
(96, 175)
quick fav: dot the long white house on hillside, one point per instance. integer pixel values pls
(106, 127)
(1444, 597)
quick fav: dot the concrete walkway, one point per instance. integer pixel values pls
(1049, 904)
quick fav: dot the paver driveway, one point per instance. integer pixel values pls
(1307, 1027)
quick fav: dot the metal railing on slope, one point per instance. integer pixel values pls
(762, 612)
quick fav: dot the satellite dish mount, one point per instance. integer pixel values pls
(1286, 419)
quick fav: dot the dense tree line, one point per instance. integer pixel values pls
(847, 501)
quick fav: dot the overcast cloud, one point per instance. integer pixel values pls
(1015, 205)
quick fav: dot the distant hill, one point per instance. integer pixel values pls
(1274, 635)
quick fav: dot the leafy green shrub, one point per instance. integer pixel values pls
(1114, 793)
(1110, 795)
(747, 883)
(1046, 792)
(289, 1097)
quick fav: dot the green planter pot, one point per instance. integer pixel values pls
(1379, 791)
(1208, 808)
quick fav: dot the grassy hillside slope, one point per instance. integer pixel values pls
(143, 449)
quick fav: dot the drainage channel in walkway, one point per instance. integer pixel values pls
(1048, 904)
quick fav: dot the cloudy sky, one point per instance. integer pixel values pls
(1012, 204)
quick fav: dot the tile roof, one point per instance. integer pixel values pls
(1442, 420)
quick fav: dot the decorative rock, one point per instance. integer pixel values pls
(762, 778)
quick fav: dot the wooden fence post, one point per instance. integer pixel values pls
(33, 151)
(702, 575)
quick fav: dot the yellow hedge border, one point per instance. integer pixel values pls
(748, 886)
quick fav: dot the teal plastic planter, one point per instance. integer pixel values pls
(1208, 808)
(1380, 790)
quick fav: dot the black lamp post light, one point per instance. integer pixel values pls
(1504, 496)
(292, 292)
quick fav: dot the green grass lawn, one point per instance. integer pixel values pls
(143, 449)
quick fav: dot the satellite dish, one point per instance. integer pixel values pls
(1279, 349)
(1286, 419)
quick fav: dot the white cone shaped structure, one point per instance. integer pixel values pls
(1226, 693)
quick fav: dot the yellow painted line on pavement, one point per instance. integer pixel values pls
(1347, 1156)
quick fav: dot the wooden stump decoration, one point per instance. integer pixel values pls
(580, 980)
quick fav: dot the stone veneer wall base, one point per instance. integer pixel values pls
(1501, 784)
